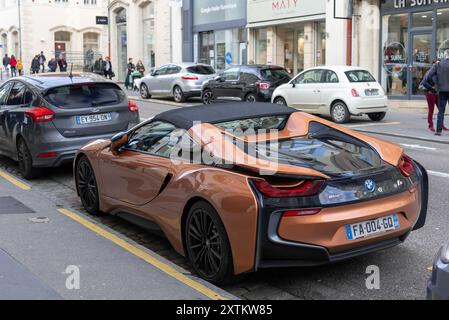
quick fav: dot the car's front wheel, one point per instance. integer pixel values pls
(377, 116)
(251, 98)
(87, 187)
(178, 95)
(207, 97)
(144, 91)
(26, 161)
(207, 244)
(340, 113)
(280, 101)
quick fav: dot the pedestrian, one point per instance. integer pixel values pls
(19, 67)
(35, 65)
(62, 64)
(52, 65)
(140, 67)
(6, 63)
(428, 85)
(441, 72)
(13, 65)
(108, 71)
(42, 60)
(99, 66)
(130, 69)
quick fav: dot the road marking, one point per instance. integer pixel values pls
(14, 181)
(144, 256)
(417, 146)
(438, 174)
(373, 124)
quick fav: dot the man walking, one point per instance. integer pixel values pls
(99, 66)
(441, 72)
(6, 63)
(42, 60)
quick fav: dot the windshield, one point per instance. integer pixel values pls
(360, 76)
(275, 74)
(85, 95)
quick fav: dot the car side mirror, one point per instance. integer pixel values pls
(219, 79)
(117, 142)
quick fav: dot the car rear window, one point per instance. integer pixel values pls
(201, 70)
(275, 74)
(85, 95)
(252, 126)
(359, 76)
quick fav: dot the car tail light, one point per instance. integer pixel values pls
(302, 212)
(189, 77)
(132, 107)
(355, 93)
(263, 85)
(41, 114)
(305, 189)
(406, 166)
(47, 155)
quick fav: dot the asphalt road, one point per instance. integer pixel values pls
(404, 270)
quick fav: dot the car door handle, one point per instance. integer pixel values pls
(316, 91)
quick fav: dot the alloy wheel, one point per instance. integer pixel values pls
(280, 101)
(178, 95)
(340, 113)
(144, 92)
(208, 97)
(251, 98)
(87, 186)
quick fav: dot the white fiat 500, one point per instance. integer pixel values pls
(337, 91)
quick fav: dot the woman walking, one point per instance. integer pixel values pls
(20, 67)
(13, 65)
(130, 68)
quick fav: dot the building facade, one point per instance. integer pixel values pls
(144, 30)
(57, 27)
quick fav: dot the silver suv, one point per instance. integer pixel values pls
(179, 81)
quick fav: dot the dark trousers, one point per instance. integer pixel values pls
(432, 101)
(443, 99)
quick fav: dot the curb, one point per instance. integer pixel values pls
(397, 135)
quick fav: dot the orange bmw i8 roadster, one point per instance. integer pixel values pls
(237, 187)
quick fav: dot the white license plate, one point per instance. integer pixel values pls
(373, 227)
(93, 118)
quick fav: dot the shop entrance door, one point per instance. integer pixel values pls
(420, 57)
(207, 48)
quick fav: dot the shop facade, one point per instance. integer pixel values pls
(215, 32)
(413, 33)
(291, 34)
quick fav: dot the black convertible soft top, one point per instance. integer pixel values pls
(185, 118)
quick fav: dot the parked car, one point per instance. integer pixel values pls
(177, 81)
(339, 92)
(322, 194)
(250, 83)
(438, 286)
(46, 119)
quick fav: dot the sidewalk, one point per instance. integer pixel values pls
(410, 105)
(42, 247)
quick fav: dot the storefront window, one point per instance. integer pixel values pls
(122, 44)
(261, 46)
(395, 44)
(207, 52)
(148, 36)
(228, 47)
(321, 44)
(442, 32)
(422, 19)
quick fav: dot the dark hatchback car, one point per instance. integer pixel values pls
(250, 83)
(46, 119)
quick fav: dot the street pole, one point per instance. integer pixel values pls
(20, 31)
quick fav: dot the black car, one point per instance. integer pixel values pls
(250, 83)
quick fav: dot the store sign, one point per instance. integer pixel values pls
(213, 11)
(266, 10)
(405, 4)
(101, 20)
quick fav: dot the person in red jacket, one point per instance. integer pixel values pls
(13, 65)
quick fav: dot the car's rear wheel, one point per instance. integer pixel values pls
(340, 113)
(280, 101)
(251, 98)
(87, 187)
(207, 97)
(377, 116)
(25, 160)
(207, 244)
(178, 95)
(144, 91)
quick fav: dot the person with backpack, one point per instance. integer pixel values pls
(440, 73)
(428, 85)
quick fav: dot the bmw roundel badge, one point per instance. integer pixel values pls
(370, 185)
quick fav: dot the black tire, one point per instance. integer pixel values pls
(340, 113)
(25, 160)
(251, 98)
(207, 244)
(144, 91)
(207, 97)
(178, 95)
(280, 101)
(377, 116)
(87, 187)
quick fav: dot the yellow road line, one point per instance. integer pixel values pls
(14, 181)
(144, 256)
